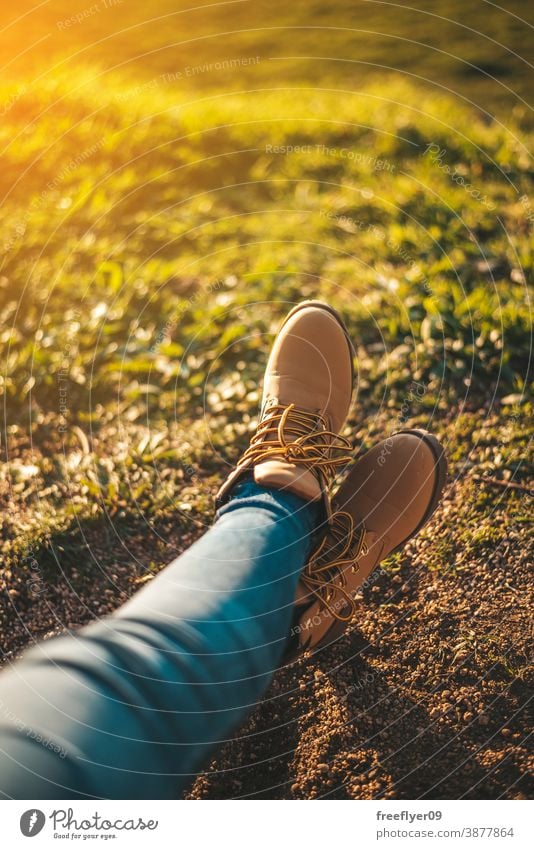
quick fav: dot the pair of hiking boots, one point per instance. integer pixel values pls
(386, 498)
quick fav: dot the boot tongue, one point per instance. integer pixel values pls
(281, 474)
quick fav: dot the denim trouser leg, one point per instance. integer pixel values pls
(132, 706)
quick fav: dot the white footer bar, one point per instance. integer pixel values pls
(269, 824)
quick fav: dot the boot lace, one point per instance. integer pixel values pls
(299, 437)
(325, 573)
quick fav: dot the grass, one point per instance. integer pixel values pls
(152, 246)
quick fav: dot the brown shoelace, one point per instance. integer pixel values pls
(325, 571)
(299, 437)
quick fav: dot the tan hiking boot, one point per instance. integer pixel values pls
(306, 398)
(386, 499)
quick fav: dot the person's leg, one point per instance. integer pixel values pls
(132, 706)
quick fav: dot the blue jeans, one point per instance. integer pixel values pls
(133, 706)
